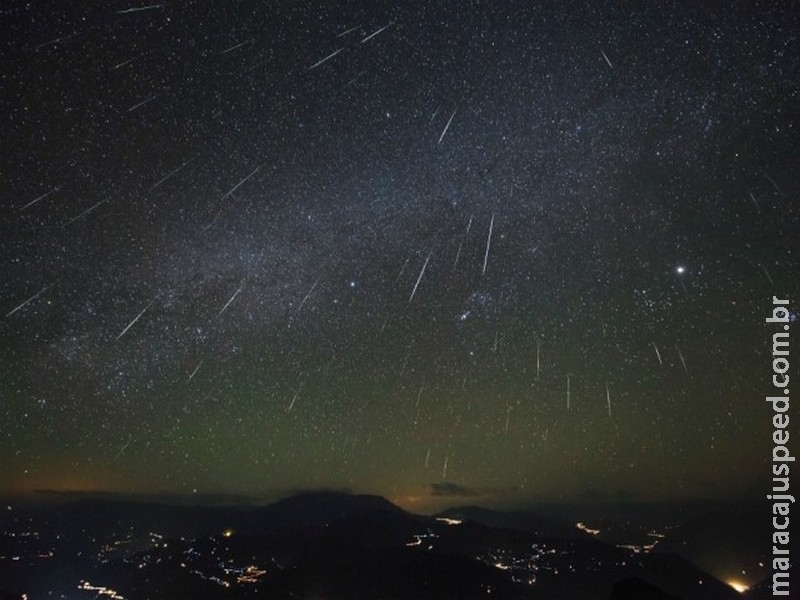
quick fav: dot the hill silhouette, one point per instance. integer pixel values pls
(331, 545)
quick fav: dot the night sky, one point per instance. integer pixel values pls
(487, 252)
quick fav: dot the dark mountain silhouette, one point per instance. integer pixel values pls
(763, 589)
(521, 520)
(98, 516)
(735, 536)
(394, 573)
(308, 509)
(676, 575)
(311, 509)
(329, 545)
(634, 588)
(721, 535)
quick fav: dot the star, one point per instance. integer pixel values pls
(198, 233)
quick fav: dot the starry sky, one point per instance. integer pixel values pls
(484, 252)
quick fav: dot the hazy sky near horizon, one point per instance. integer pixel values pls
(497, 252)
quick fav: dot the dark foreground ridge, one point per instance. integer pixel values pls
(324, 545)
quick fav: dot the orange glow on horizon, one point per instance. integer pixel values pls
(71, 477)
(738, 585)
